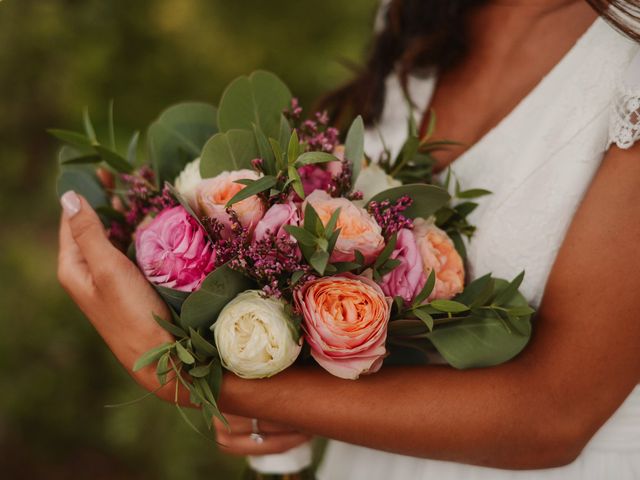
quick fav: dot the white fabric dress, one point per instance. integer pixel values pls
(538, 162)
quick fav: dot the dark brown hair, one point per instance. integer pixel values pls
(419, 35)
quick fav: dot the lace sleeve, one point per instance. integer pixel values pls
(625, 114)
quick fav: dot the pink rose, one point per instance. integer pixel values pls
(438, 253)
(358, 230)
(321, 176)
(213, 194)
(408, 278)
(345, 323)
(274, 221)
(174, 251)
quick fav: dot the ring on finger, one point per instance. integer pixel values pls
(255, 435)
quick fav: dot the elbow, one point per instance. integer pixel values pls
(553, 440)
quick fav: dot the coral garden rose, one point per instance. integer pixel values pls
(408, 278)
(253, 336)
(345, 323)
(358, 230)
(276, 218)
(212, 195)
(174, 251)
(187, 182)
(438, 253)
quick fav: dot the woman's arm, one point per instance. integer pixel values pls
(536, 411)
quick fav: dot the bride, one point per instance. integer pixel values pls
(545, 97)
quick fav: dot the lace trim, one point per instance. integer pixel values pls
(625, 119)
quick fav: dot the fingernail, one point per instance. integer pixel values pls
(70, 203)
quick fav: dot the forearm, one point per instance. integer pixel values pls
(487, 417)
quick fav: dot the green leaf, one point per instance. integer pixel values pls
(214, 380)
(473, 193)
(309, 158)
(231, 150)
(257, 186)
(312, 222)
(449, 306)
(284, 133)
(425, 317)
(319, 261)
(333, 221)
(184, 355)
(277, 153)
(359, 257)
(132, 149)
(200, 371)
(112, 132)
(163, 368)
(82, 179)
(302, 235)
(296, 276)
(354, 147)
(481, 339)
(177, 137)
(173, 298)
(509, 292)
(259, 99)
(201, 308)
(432, 125)
(184, 203)
(265, 151)
(201, 344)
(427, 289)
(74, 139)
(151, 356)
(174, 330)
(114, 159)
(386, 251)
(293, 148)
(427, 199)
(88, 126)
(296, 181)
(332, 240)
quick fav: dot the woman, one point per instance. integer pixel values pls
(528, 85)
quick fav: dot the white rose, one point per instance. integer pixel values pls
(373, 180)
(188, 180)
(253, 336)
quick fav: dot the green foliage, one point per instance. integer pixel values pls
(178, 136)
(427, 199)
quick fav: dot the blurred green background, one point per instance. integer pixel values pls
(57, 56)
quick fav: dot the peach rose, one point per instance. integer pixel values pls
(358, 230)
(213, 194)
(439, 253)
(345, 323)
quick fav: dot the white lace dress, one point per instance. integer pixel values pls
(538, 162)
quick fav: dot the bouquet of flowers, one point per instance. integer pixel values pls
(272, 238)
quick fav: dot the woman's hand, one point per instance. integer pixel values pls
(236, 440)
(109, 289)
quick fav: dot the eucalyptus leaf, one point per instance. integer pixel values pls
(231, 150)
(354, 147)
(82, 179)
(427, 199)
(114, 159)
(174, 298)
(177, 137)
(259, 99)
(151, 356)
(184, 355)
(200, 371)
(201, 344)
(201, 308)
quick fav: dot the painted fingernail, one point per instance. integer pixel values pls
(70, 203)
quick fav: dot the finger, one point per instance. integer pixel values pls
(90, 236)
(73, 271)
(276, 443)
(244, 426)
